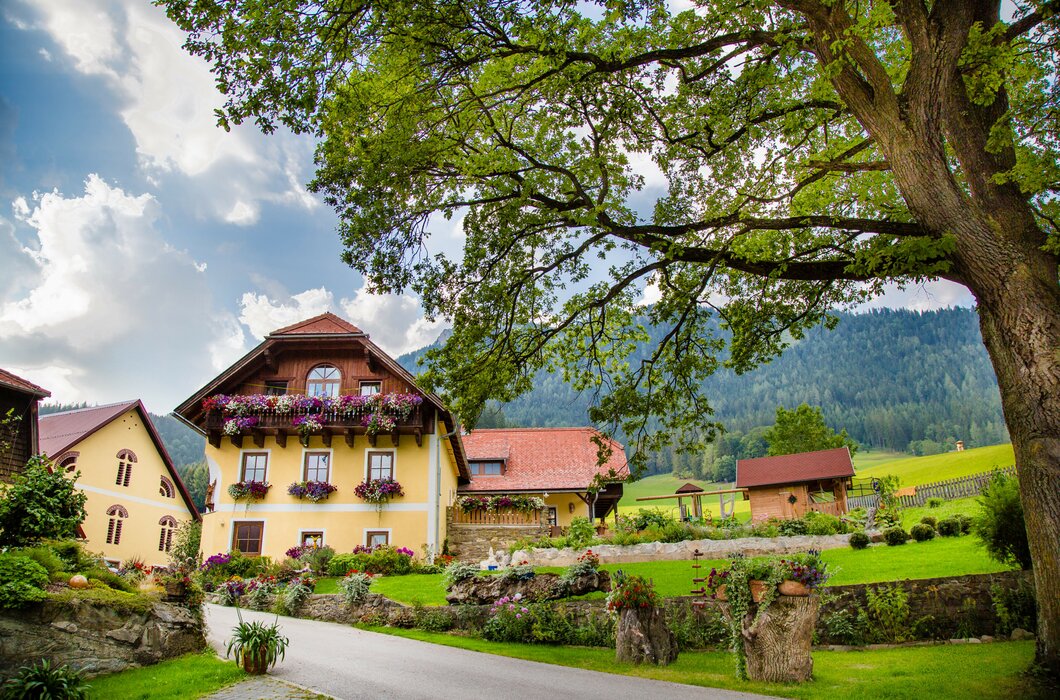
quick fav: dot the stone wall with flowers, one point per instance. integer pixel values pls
(472, 542)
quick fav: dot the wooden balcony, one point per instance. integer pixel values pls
(333, 424)
(498, 517)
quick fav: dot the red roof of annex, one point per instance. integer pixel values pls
(794, 469)
(540, 459)
(16, 382)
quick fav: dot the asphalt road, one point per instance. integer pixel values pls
(349, 663)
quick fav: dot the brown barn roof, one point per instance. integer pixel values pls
(690, 488)
(61, 431)
(794, 469)
(16, 382)
(540, 459)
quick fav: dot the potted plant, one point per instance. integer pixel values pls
(256, 646)
(378, 491)
(802, 574)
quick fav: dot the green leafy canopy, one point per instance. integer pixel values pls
(764, 162)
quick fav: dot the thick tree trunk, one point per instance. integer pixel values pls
(1020, 319)
(643, 637)
(778, 647)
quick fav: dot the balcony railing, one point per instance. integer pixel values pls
(496, 517)
(346, 424)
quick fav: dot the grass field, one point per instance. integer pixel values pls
(190, 676)
(922, 470)
(865, 458)
(660, 484)
(943, 556)
(980, 671)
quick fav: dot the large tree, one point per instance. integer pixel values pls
(802, 429)
(762, 161)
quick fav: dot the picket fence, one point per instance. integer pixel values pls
(960, 487)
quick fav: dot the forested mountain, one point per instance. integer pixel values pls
(896, 379)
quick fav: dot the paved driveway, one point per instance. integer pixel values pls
(347, 663)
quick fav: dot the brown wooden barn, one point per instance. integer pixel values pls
(787, 486)
(18, 437)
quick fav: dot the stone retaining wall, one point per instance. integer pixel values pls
(672, 551)
(471, 543)
(94, 638)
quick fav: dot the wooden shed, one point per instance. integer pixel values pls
(787, 486)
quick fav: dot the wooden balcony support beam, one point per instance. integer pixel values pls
(237, 440)
(395, 436)
(419, 437)
(349, 435)
(214, 437)
(325, 435)
(281, 437)
(259, 438)
(371, 439)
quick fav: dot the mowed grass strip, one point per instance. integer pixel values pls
(980, 671)
(943, 556)
(925, 470)
(189, 676)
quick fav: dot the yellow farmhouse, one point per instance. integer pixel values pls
(136, 499)
(319, 436)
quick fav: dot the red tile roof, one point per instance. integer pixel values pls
(61, 431)
(540, 459)
(794, 469)
(324, 323)
(16, 382)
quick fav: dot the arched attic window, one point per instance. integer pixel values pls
(126, 459)
(67, 461)
(323, 380)
(165, 537)
(117, 515)
(166, 488)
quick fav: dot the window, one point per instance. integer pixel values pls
(377, 538)
(317, 466)
(486, 468)
(323, 381)
(380, 465)
(316, 539)
(126, 460)
(553, 516)
(371, 388)
(166, 488)
(275, 387)
(68, 461)
(246, 537)
(165, 537)
(254, 464)
(117, 515)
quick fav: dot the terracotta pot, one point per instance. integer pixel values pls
(758, 590)
(256, 664)
(720, 593)
(793, 588)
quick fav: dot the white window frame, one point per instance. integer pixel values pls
(367, 466)
(323, 534)
(370, 382)
(388, 530)
(268, 462)
(331, 460)
(232, 535)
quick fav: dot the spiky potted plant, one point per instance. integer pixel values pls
(256, 646)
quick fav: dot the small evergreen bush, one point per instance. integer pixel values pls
(22, 581)
(894, 536)
(935, 502)
(859, 540)
(949, 527)
(922, 532)
(930, 520)
(999, 524)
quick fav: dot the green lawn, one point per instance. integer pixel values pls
(924, 470)
(979, 671)
(865, 458)
(190, 676)
(661, 484)
(943, 556)
(967, 506)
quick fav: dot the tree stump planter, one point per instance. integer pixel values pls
(642, 636)
(758, 590)
(778, 645)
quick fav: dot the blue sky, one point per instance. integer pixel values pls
(144, 249)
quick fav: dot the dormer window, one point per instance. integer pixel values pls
(323, 380)
(486, 468)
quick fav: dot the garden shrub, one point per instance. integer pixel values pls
(999, 525)
(40, 504)
(580, 533)
(296, 592)
(651, 517)
(318, 559)
(22, 581)
(895, 536)
(922, 532)
(355, 588)
(844, 627)
(110, 579)
(73, 554)
(671, 532)
(700, 628)
(45, 681)
(930, 520)
(822, 523)
(886, 615)
(935, 502)
(221, 567)
(432, 620)
(384, 560)
(1014, 607)
(103, 594)
(949, 527)
(791, 528)
(43, 555)
(859, 540)
(456, 572)
(549, 625)
(966, 523)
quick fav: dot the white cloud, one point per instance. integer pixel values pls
(394, 321)
(108, 310)
(167, 100)
(928, 296)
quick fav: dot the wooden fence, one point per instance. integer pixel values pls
(499, 517)
(960, 487)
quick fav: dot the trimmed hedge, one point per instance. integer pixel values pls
(859, 540)
(894, 536)
(922, 532)
(950, 527)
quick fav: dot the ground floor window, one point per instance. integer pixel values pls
(377, 538)
(315, 539)
(246, 537)
(553, 516)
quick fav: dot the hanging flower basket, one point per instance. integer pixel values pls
(248, 490)
(307, 425)
(233, 426)
(378, 491)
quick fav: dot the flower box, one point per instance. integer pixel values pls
(315, 491)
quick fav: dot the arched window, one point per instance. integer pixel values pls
(166, 488)
(126, 458)
(165, 537)
(323, 380)
(117, 516)
(67, 461)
